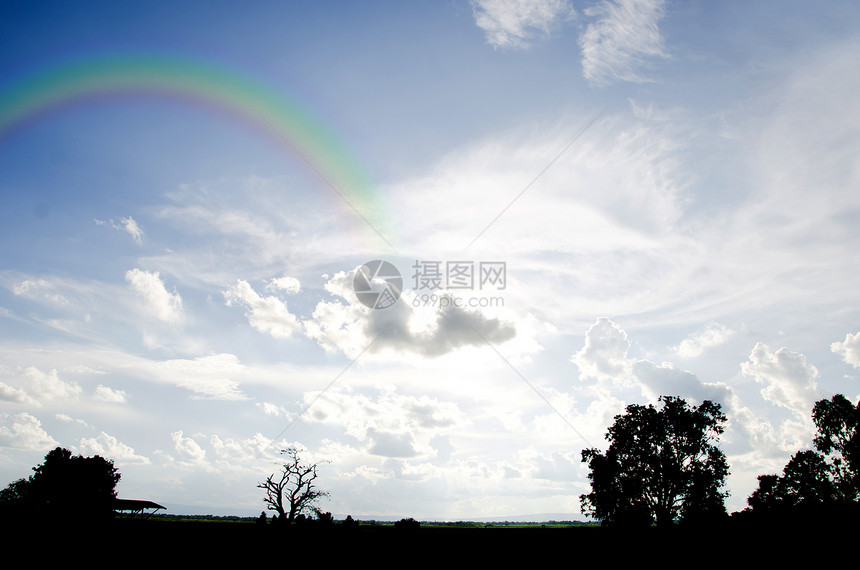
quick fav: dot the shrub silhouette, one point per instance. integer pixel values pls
(407, 525)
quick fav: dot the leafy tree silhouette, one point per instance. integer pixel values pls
(407, 525)
(821, 480)
(349, 523)
(805, 482)
(838, 423)
(293, 492)
(661, 466)
(66, 485)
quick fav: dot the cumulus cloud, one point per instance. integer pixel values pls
(515, 23)
(110, 447)
(35, 387)
(187, 449)
(287, 284)
(604, 355)
(165, 306)
(696, 344)
(788, 378)
(24, 431)
(107, 394)
(266, 314)
(270, 409)
(228, 457)
(624, 37)
(399, 445)
(667, 379)
(401, 328)
(387, 422)
(16, 395)
(849, 349)
(558, 467)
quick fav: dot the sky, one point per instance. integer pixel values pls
(589, 204)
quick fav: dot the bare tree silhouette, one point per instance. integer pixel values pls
(293, 491)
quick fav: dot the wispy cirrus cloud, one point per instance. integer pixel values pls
(516, 23)
(625, 36)
(129, 225)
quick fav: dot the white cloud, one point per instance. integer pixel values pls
(128, 225)
(35, 387)
(69, 419)
(40, 289)
(392, 444)
(623, 39)
(849, 349)
(288, 284)
(788, 378)
(131, 227)
(270, 409)
(401, 329)
(165, 306)
(559, 466)
(24, 431)
(108, 394)
(110, 447)
(266, 314)
(604, 355)
(17, 395)
(667, 380)
(209, 377)
(228, 458)
(697, 343)
(384, 416)
(187, 449)
(514, 23)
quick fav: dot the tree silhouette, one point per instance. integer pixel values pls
(821, 478)
(661, 466)
(293, 492)
(838, 423)
(66, 485)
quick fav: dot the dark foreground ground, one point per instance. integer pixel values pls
(160, 541)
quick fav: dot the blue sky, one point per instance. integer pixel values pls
(673, 187)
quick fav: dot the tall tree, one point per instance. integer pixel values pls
(820, 478)
(66, 485)
(838, 423)
(293, 491)
(662, 466)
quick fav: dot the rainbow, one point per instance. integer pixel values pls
(279, 115)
